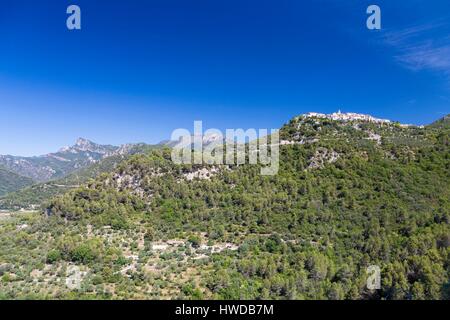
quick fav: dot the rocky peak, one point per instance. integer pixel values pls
(83, 142)
(85, 145)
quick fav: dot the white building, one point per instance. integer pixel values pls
(349, 116)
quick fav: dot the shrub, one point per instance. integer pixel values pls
(53, 256)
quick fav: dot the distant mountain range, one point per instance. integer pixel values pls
(59, 164)
(71, 164)
(30, 180)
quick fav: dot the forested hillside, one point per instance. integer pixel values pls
(348, 195)
(10, 181)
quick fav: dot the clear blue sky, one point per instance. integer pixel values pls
(139, 69)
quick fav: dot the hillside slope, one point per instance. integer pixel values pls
(443, 123)
(10, 181)
(349, 194)
(68, 159)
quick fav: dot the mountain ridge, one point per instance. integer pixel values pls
(63, 162)
(33, 195)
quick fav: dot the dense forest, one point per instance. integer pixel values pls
(347, 196)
